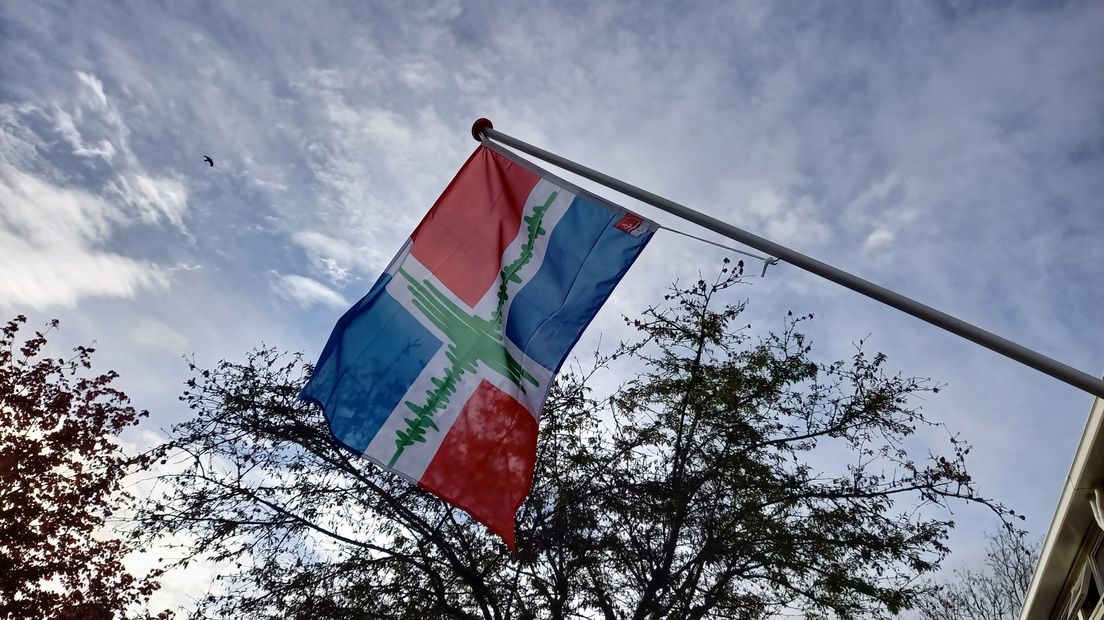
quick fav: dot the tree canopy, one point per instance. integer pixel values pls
(62, 469)
(732, 477)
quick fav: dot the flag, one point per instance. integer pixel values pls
(440, 371)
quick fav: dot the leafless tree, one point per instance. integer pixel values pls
(996, 591)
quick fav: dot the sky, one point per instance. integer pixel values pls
(951, 151)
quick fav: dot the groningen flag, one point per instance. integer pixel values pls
(440, 371)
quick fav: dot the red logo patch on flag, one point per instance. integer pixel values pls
(632, 224)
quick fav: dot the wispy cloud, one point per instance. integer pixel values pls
(153, 199)
(150, 332)
(50, 237)
(67, 128)
(59, 223)
(306, 292)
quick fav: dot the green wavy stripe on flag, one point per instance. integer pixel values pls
(472, 339)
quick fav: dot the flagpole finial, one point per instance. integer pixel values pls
(478, 126)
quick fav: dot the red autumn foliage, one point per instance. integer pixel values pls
(61, 473)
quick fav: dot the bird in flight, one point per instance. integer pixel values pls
(207, 158)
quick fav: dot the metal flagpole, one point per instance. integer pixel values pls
(482, 129)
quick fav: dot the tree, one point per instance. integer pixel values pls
(62, 468)
(996, 592)
(731, 478)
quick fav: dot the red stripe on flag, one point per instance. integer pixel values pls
(462, 238)
(485, 463)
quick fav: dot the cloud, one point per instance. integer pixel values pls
(90, 123)
(786, 220)
(151, 198)
(879, 239)
(335, 257)
(49, 236)
(149, 332)
(59, 224)
(18, 143)
(306, 292)
(94, 87)
(39, 279)
(64, 125)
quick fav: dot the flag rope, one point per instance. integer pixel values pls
(483, 130)
(766, 260)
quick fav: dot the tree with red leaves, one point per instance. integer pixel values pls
(61, 473)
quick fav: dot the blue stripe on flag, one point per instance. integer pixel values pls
(374, 354)
(585, 259)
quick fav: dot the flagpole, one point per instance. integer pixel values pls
(483, 129)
